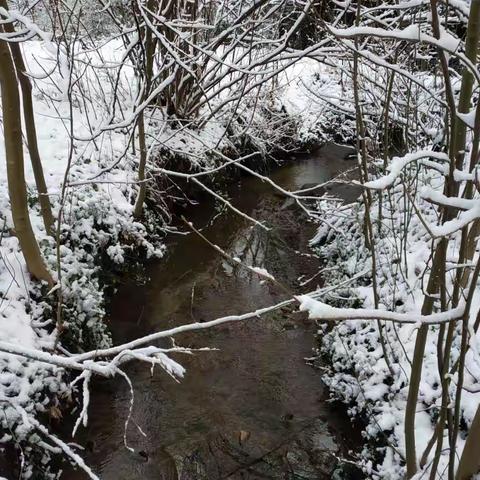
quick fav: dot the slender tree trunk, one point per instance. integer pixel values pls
(366, 194)
(12, 128)
(31, 132)
(459, 142)
(470, 460)
(30, 129)
(147, 73)
(471, 50)
(417, 363)
(142, 188)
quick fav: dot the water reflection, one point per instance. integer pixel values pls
(252, 410)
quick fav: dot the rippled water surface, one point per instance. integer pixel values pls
(254, 409)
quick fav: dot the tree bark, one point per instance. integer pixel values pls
(142, 188)
(470, 460)
(30, 129)
(417, 363)
(471, 50)
(12, 129)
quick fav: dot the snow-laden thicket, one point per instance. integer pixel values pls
(357, 371)
(177, 92)
(98, 229)
(98, 164)
(405, 257)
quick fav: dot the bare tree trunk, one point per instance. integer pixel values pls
(30, 129)
(470, 460)
(142, 191)
(361, 148)
(145, 71)
(12, 127)
(434, 283)
(471, 49)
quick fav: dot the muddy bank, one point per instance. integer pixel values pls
(254, 408)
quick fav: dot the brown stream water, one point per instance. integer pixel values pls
(254, 409)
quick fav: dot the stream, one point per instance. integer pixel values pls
(254, 409)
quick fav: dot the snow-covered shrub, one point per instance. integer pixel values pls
(358, 373)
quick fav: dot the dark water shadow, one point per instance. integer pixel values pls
(252, 410)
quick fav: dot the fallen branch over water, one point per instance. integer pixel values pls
(321, 311)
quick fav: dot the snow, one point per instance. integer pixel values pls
(356, 372)
(397, 164)
(435, 196)
(468, 118)
(96, 216)
(97, 221)
(321, 311)
(99, 229)
(411, 33)
(262, 272)
(456, 224)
